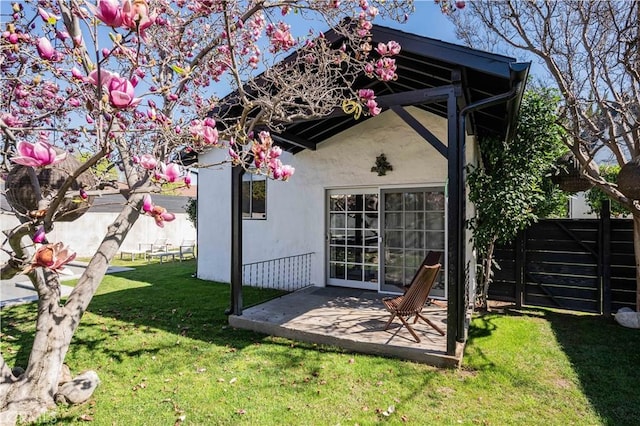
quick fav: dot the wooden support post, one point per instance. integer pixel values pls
(453, 215)
(236, 241)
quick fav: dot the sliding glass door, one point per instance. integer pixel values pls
(413, 223)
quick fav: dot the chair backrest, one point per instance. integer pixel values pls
(159, 245)
(432, 258)
(416, 296)
(187, 246)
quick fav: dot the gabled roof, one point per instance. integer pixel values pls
(423, 64)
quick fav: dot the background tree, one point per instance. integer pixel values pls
(510, 187)
(590, 49)
(595, 197)
(192, 211)
(135, 83)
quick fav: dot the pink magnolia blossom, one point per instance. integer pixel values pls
(77, 74)
(62, 35)
(159, 214)
(148, 161)
(47, 17)
(389, 49)
(266, 157)
(10, 119)
(136, 16)
(261, 148)
(373, 107)
(38, 154)
(187, 180)
(386, 69)
(147, 204)
(45, 49)
(366, 94)
(40, 236)
(121, 94)
(13, 38)
(204, 131)
(108, 11)
(369, 69)
(280, 37)
(235, 158)
(170, 172)
(51, 256)
(281, 171)
(103, 75)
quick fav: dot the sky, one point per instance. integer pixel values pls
(428, 21)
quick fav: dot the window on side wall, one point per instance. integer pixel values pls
(254, 196)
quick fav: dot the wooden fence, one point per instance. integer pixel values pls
(578, 264)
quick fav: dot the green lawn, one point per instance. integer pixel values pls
(159, 340)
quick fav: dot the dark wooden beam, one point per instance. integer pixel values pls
(453, 228)
(294, 140)
(415, 97)
(421, 130)
(412, 97)
(236, 241)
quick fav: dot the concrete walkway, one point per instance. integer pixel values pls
(19, 289)
(351, 319)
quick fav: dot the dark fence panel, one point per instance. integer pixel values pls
(578, 264)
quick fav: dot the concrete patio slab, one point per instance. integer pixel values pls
(351, 319)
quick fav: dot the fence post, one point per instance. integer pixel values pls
(605, 256)
(519, 267)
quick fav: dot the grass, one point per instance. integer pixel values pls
(159, 340)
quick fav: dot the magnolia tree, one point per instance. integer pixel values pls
(590, 49)
(131, 85)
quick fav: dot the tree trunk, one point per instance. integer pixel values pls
(636, 248)
(31, 394)
(487, 264)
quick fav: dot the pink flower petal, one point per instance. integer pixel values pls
(147, 205)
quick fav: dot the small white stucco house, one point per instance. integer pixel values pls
(364, 228)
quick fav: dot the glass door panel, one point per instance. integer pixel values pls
(352, 237)
(413, 224)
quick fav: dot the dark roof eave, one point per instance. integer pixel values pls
(519, 72)
(486, 62)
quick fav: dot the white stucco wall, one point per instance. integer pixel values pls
(296, 209)
(85, 234)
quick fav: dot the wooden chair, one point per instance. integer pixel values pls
(412, 302)
(432, 258)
